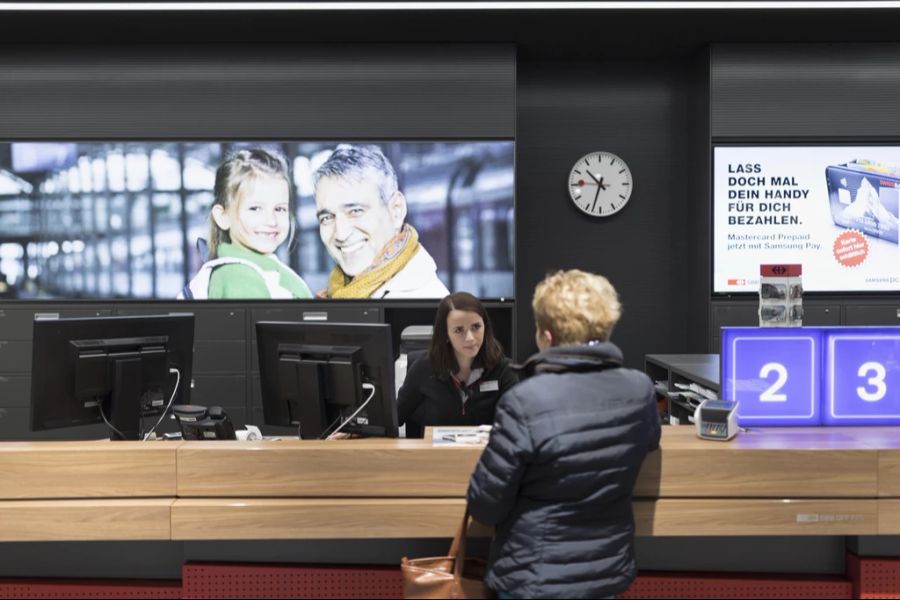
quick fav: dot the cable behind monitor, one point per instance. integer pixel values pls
(365, 386)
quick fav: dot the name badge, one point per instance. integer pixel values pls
(489, 386)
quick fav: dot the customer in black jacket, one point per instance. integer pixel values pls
(558, 472)
(464, 374)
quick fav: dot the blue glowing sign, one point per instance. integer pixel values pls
(774, 374)
(862, 376)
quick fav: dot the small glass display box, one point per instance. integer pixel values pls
(780, 296)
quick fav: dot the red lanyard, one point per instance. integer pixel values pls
(464, 389)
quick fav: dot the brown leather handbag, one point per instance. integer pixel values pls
(452, 576)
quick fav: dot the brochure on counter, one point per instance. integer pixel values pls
(476, 435)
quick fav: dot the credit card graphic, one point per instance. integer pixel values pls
(865, 195)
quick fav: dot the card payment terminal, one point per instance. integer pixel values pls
(716, 419)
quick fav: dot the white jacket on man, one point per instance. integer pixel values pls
(418, 279)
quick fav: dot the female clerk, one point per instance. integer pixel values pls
(463, 375)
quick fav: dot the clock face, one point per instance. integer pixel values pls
(600, 184)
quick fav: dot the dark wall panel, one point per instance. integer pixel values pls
(699, 206)
(256, 91)
(639, 111)
(805, 90)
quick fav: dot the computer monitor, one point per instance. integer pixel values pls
(113, 370)
(328, 377)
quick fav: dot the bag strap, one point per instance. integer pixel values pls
(232, 260)
(208, 267)
(458, 547)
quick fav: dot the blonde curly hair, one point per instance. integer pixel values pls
(576, 307)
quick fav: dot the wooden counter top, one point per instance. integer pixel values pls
(345, 468)
(101, 469)
(764, 463)
(773, 481)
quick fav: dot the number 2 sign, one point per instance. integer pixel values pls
(774, 374)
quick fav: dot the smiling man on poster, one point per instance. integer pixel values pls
(362, 215)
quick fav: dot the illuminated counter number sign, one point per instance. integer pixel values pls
(862, 377)
(774, 374)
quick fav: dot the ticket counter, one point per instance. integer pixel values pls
(776, 481)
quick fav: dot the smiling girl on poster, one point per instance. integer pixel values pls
(250, 218)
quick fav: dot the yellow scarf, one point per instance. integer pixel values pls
(395, 255)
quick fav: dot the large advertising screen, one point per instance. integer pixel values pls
(256, 220)
(831, 209)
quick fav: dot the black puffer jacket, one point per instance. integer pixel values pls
(558, 473)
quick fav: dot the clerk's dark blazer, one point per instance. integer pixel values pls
(425, 399)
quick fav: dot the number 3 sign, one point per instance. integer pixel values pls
(862, 377)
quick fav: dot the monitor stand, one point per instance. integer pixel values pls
(124, 404)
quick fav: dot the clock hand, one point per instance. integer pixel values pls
(602, 185)
(597, 195)
(592, 176)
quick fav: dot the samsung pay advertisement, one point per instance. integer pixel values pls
(831, 209)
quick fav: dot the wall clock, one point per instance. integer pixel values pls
(600, 184)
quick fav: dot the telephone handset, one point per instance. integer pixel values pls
(202, 423)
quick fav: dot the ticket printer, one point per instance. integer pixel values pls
(716, 419)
